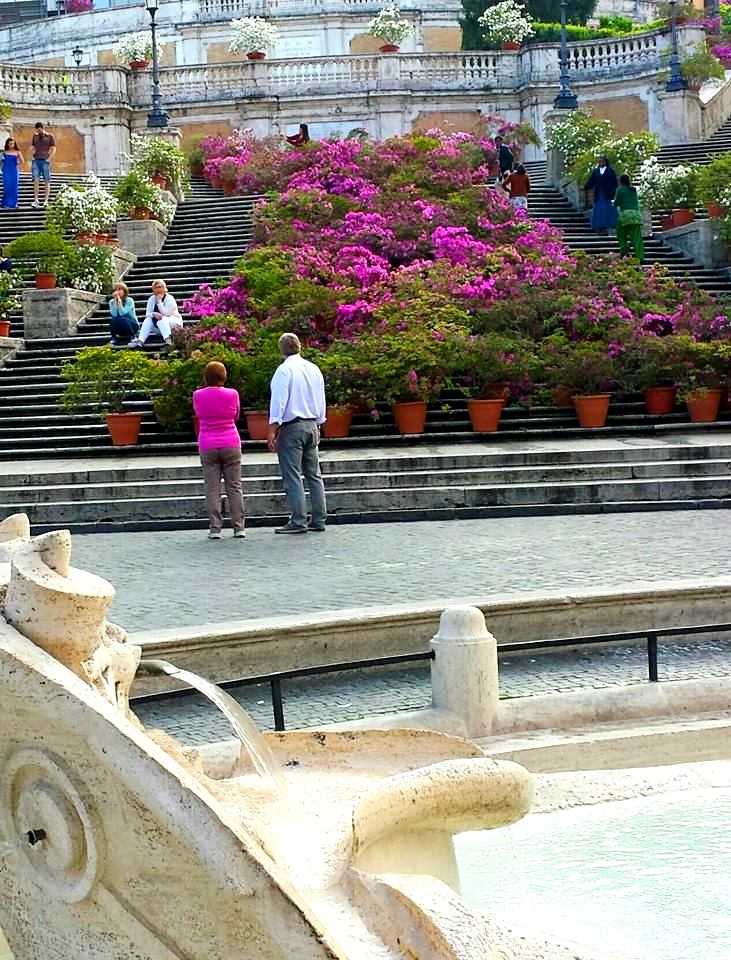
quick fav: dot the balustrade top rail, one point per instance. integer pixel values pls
(460, 71)
(226, 9)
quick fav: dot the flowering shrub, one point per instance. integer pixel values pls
(11, 286)
(388, 25)
(79, 6)
(576, 134)
(506, 22)
(252, 35)
(136, 47)
(626, 154)
(83, 209)
(663, 188)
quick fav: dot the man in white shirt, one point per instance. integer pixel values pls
(296, 411)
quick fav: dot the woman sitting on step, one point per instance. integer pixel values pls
(123, 325)
(162, 315)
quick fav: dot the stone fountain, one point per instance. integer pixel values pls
(149, 849)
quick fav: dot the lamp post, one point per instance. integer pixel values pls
(77, 53)
(566, 100)
(676, 80)
(157, 116)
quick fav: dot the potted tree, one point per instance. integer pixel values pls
(44, 253)
(584, 367)
(258, 364)
(106, 380)
(488, 364)
(345, 388)
(649, 364)
(703, 368)
(391, 28)
(87, 211)
(135, 49)
(701, 66)
(507, 24)
(161, 162)
(253, 36)
(10, 301)
(712, 185)
(141, 199)
(671, 190)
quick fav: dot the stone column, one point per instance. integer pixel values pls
(679, 116)
(555, 166)
(465, 669)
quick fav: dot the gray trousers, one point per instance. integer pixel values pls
(223, 462)
(297, 451)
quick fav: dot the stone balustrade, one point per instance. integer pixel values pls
(29, 85)
(227, 9)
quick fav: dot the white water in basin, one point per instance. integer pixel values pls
(646, 879)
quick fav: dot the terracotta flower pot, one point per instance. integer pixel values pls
(703, 405)
(681, 217)
(410, 417)
(45, 281)
(485, 414)
(257, 424)
(592, 410)
(510, 45)
(716, 210)
(216, 183)
(229, 188)
(667, 223)
(389, 48)
(139, 64)
(85, 236)
(160, 181)
(256, 55)
(124, 428)
(562, 397)
(4, 328)
(338, 422)
(659, 400)
(141, 213)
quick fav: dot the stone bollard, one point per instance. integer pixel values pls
(465, 670)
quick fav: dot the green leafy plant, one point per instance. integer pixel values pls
(41, 251)
(702, 364)
(578, 133)
(134, 191)
(683, 9)
(105, 379)
(701, 66)
(626, 154)
(489, 359)
(11, 285)
(346, 382)
(583, 366)
(647, 361)
(154, 156)
(5, 110)
(713, 179)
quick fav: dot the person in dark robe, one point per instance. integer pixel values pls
(603, 181)
(505, 159)
(302, 137)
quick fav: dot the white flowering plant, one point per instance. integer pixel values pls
(136, 47)
(507, 22)
(11, 286)
(626, 154)
(252, 35)
(91, 268)
(78, 208)
(663, 188)
(580, 131)
(156, 156)
(388, 25)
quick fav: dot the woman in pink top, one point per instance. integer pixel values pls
(219, 445)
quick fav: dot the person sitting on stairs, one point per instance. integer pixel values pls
(162, 314)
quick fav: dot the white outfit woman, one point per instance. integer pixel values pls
(170, 317)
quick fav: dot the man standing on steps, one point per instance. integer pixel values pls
(296, 412)
(44, 150)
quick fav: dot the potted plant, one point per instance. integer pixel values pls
(10, 300)
(488, 363)
(507, 23)
(390, 27)
(703, 367)
(683, 10)
(712, 185)
(668, 189)
(253, 36)
(257, 366)
(106, 380)
(141, 199)
(585, 367)
(725, 229)
(88, 211)
(135, 49)
(161, 162)
(43, 252)
(649, 364)
(701, 66)
(345, 388)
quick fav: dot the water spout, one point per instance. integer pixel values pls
(251, 737)
(31, 837)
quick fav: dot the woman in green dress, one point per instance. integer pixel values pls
(629, 224)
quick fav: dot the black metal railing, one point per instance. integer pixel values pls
(274, 680)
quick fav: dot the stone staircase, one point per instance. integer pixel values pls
(441, 482)
(700, 152)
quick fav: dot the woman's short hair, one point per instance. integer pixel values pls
(214, 374)
(121, 285)
(289, 344)
(159, 283)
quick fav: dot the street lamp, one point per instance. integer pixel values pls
(566, 100)
(157, 116)
(676, 80)
(77, 53)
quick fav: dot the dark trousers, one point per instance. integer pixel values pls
(123, 328)
(297, 444)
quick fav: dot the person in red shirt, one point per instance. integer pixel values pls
(517, 186)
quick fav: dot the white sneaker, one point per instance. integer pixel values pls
(240, 534)
(214, 535)
(36, 205)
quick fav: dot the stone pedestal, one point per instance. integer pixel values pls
(123, 261)
(56, 313)
(680, 117)
(143, 238)
(574, 193)
(701, 241)
(465, 669)
(9, 346)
